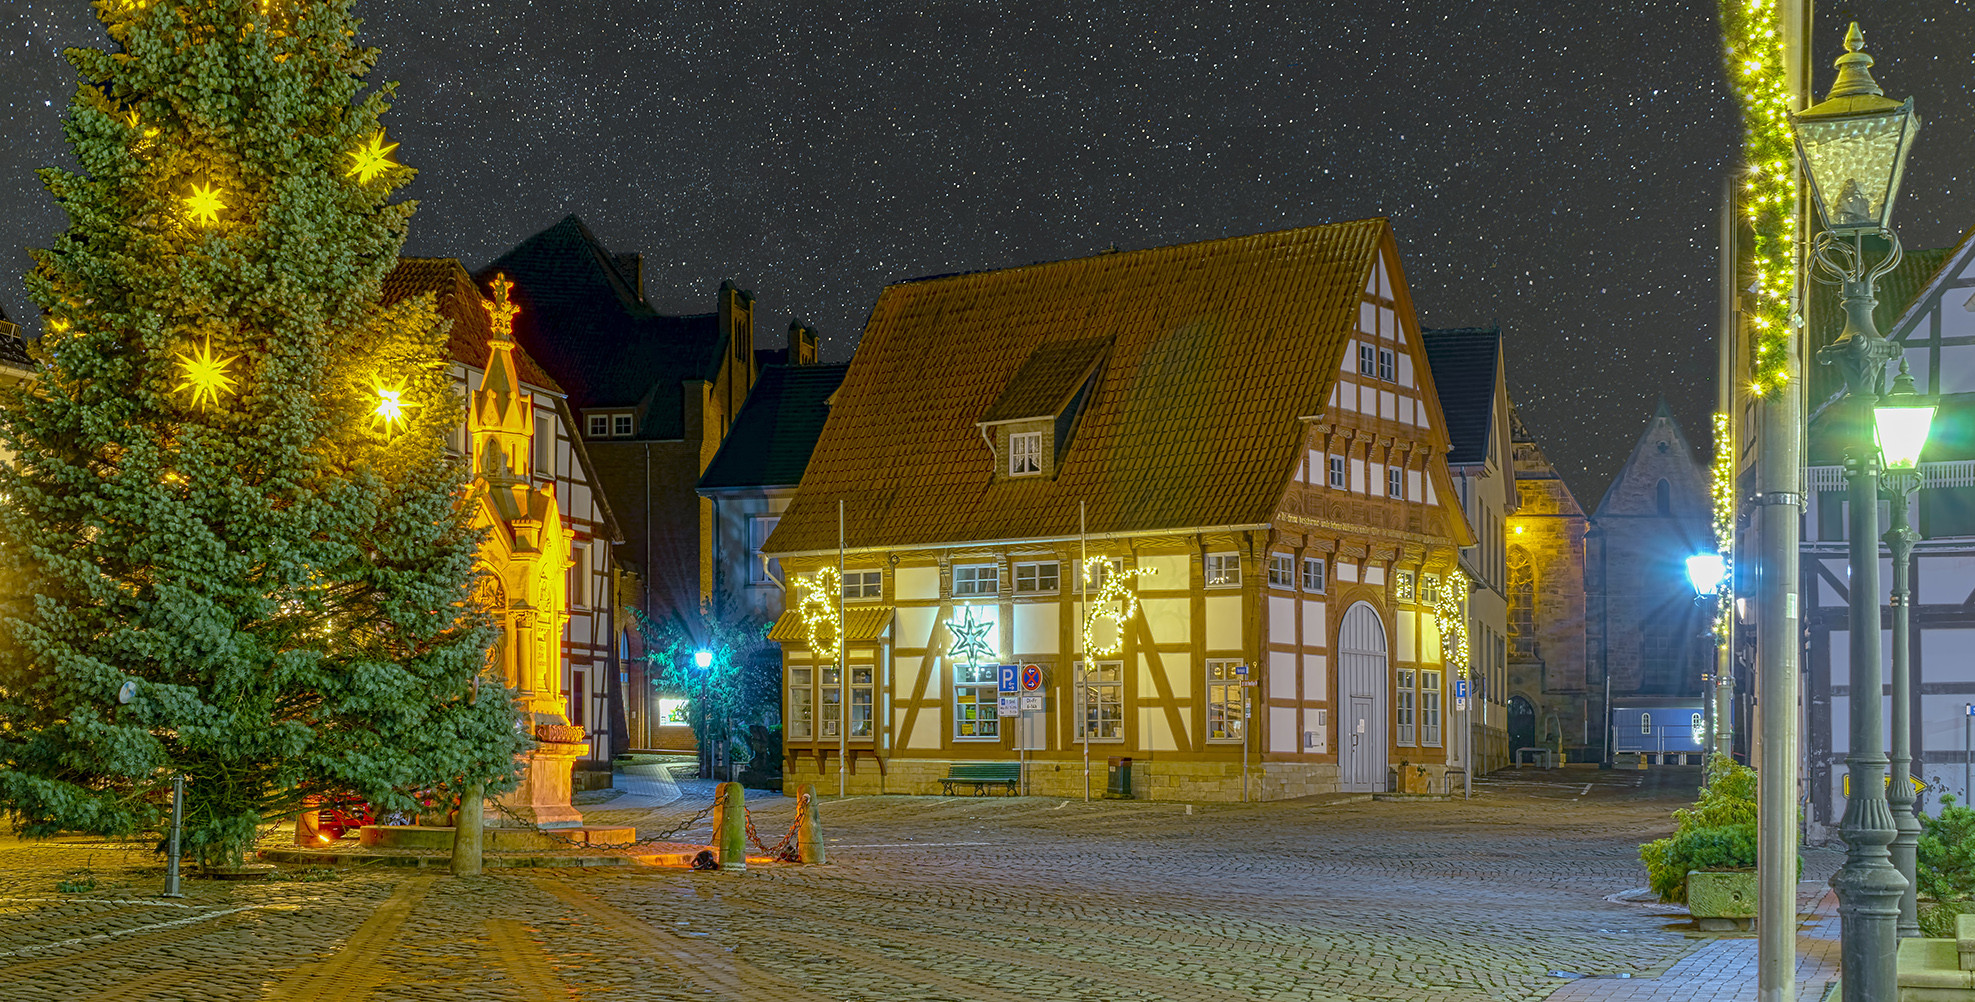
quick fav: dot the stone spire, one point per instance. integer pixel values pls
(503, 413)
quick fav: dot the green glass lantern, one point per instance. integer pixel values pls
(1901, 420)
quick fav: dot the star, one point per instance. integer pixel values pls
(204, 375)
(970, 638)
(371, 159)
(390, 410)
(203, 205)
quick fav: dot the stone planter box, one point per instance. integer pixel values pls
(1721, 900)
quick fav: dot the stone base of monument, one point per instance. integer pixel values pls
(437, 838)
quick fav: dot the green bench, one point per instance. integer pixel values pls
(983, 775)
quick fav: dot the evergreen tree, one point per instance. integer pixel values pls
(233, 542)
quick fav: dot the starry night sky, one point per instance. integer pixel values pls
(1553, 167)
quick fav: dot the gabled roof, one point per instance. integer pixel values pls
(1216, 350)
(458, 301)
(581, 318)
(1466, 362)
(1044, 384)
(776, 430)
(1662, 453)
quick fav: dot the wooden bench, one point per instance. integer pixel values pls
(983, 775)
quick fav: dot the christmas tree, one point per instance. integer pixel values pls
(234, 543)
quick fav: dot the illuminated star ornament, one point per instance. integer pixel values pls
(203, 206)
(371, 159)
(204, 374)
(970, 638)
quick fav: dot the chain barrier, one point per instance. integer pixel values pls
(668, 835)
(784, 851)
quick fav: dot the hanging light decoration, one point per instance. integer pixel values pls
(390, 409)
(371, 159)
(203, 205)
(1753, 32)
(204, 374)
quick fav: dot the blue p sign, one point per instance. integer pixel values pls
(1010, 682)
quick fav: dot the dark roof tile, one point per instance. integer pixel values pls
(1465, 362)
(773, 436)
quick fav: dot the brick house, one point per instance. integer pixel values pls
(1239, 438)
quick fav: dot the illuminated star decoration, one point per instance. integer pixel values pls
(390, 410)
(204, 375)
(371, 159)
(501, 312)
(970, 638)
(203, 205)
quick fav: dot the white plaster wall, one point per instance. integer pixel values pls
(1945, 580)
(1170, 572)
(1170, 620)
(913, 626)
(1282, 620)
(1315, 631)
(1037, 627)
(916, 584)
(1282, 675)
(1223, 622)
(1406, 650)
(1316, 678)
(1283, 736)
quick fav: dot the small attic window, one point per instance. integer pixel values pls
(1031, 423)
(1024, 453)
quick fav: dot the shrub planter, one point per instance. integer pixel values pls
(1721, 900)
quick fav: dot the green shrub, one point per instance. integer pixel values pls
(1947, 853)
(1717, 833)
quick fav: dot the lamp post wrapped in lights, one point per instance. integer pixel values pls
(1853, 147)
(1901, 420)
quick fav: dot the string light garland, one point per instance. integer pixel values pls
(371, 159)
(818, 614)
(970, 645)
(204, 374)
(1721, 487)
(203, 205)
(1450, 615)
(1113, 591)
(1753, 36)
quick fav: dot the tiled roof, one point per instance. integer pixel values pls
(583, 320)
(770, 442)
(460, 302)
(1464, 361)
(1042, 387)
(13, 349)
(1216, 350)
(861, 623)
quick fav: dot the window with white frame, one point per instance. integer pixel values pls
(1101, 701)
(761, 571)
(1223, 570)
(1313, 574)
(862, 692)
(1282, 570)
(544, 460)
(1098, 571)
(1038, 577)
(1429, 589)
(1367, 360)
(1395, 482)
(976, 714)
(579, 577)
(802, 703)
(1402, 586)
(1339, 478)
(1429, 707)
(976, 579)
(1024, 453)
(863, 584)
(599, 425)
(1224, 702)
(830, 705)
(1386, 366)
(620, 425)
(1407, 701)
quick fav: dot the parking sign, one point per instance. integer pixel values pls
(1009, 677)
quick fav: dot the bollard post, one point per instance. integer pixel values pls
(308, 824)
(730, 827)
(467, 831)
(809, 830)
(177, 832)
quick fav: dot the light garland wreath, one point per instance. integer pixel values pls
(818, 614)
(1114, 590)
(1452, 620)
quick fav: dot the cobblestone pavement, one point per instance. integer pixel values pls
(994, 899)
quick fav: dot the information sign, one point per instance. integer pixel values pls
(1241, 671)
(1461, 688)
(1031, 678)
(1031, 702)
(1011, 706)
(1007, 676)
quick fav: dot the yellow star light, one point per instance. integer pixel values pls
(204, 375)
(390, 410)
(203, 205)
(371, 159)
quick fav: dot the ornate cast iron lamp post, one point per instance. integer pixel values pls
(1853, 147)
(1902, 419)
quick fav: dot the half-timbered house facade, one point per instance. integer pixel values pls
(1191, 503)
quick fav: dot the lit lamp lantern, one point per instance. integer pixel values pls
(1705, 571)
(702, 660)
(1901, 420)
(1854, 146)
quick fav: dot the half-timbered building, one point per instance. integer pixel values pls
(1190, 503)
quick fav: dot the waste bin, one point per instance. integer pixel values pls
(1120, 782)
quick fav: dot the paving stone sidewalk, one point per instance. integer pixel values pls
(1724, 970)
(944, 899)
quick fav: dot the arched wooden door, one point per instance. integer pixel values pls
(1363, 678)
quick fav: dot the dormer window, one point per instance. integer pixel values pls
(599, 425)
(621, 424)
(1024, 453)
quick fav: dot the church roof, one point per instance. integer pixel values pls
(1216, 351)
(584, 320)
(776, 430)
(1662, 453)
(1465, 363)
(459, 301)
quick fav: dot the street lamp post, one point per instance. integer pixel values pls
(1706, 571)
(1853, 146)
(1902, 420)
